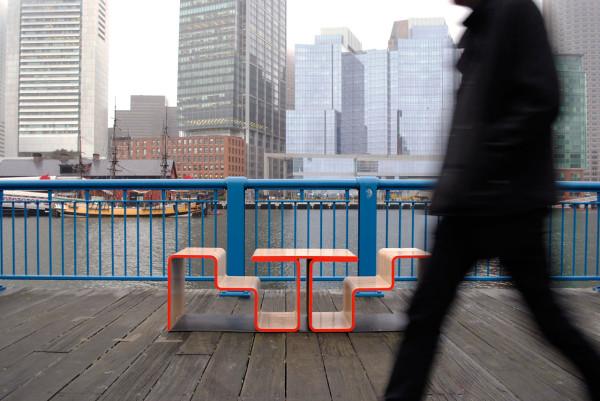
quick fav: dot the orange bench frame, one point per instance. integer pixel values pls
(265, 322)
(345, 320)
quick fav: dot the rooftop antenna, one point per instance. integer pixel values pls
(113, 154)
(164, 164)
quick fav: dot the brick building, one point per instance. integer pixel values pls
(195, 156)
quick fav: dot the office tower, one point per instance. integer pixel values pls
(232, 74)
(2, 62)
(290, 81)
(329, 110)
(146, 117)
(574, 29)
(56, 76)
(422, 82)
(570, 130)
(379, 102)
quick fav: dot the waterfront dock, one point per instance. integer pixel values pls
(110, 344)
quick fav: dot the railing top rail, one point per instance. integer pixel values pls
(257, 184)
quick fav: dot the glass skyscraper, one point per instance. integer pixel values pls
(232, 74)
(575, 29)
(570, 130)
(378, 102)
(422, 82)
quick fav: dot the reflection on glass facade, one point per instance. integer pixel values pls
(570, 130)
(390, 102)
(232, 73)
(422, 82)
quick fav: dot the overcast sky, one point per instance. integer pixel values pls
(144, 35)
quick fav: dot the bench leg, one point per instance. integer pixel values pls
(176, 291)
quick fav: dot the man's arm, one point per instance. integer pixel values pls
(533, 91)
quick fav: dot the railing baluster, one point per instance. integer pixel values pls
(112, 237)
(14, 236)
(75, 237)
(125, 216)
(25, 239)
(137, 240)
(100, 209)
(334, 231)
(62, 238)
(282, 242)
(150, 217)
(62, 223)
(87, 232)
(321, 235)
(574, 250)
(585, 251)
(37, 237)
(189, 234)
(562, 239)
(2, 234)
(164, 232)
(268, 231)
(50, 233)
(256, 206)
(412, 237)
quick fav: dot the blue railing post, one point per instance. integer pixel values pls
(236, 230)
(367, 229)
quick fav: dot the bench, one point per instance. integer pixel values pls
(345, 320)
(310, 256)
(263, 321)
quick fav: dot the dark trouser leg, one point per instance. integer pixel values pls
(525, 257)
(450, 260)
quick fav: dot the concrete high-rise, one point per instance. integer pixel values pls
(147, 117)
(56, 76)
(575, 29)
(232, 74)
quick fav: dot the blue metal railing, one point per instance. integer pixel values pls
(74, 230)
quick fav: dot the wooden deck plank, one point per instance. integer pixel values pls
(346, 376)
(39, 316)
(180, 379)
(137, 381)
(97, 378)
(200, 343)
(224, 375)
(46, 381)
(497, 349)
(490, 350)
(304, 364)
(70, 317)
(80, 333)
(265, 377)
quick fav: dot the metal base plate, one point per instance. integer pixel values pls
(206, 322)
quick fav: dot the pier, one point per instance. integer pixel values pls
(111, 344)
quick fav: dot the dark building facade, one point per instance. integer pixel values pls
(232, 74)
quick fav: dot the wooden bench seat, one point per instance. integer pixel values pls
(384, 280)
(263, 321)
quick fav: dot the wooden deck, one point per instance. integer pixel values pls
(110, 344)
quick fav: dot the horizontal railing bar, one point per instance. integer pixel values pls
(296, 184)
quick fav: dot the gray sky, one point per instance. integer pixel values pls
(144, 35)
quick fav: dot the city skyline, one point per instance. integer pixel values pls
(135, 68)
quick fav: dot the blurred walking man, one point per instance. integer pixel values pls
(495, 188)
